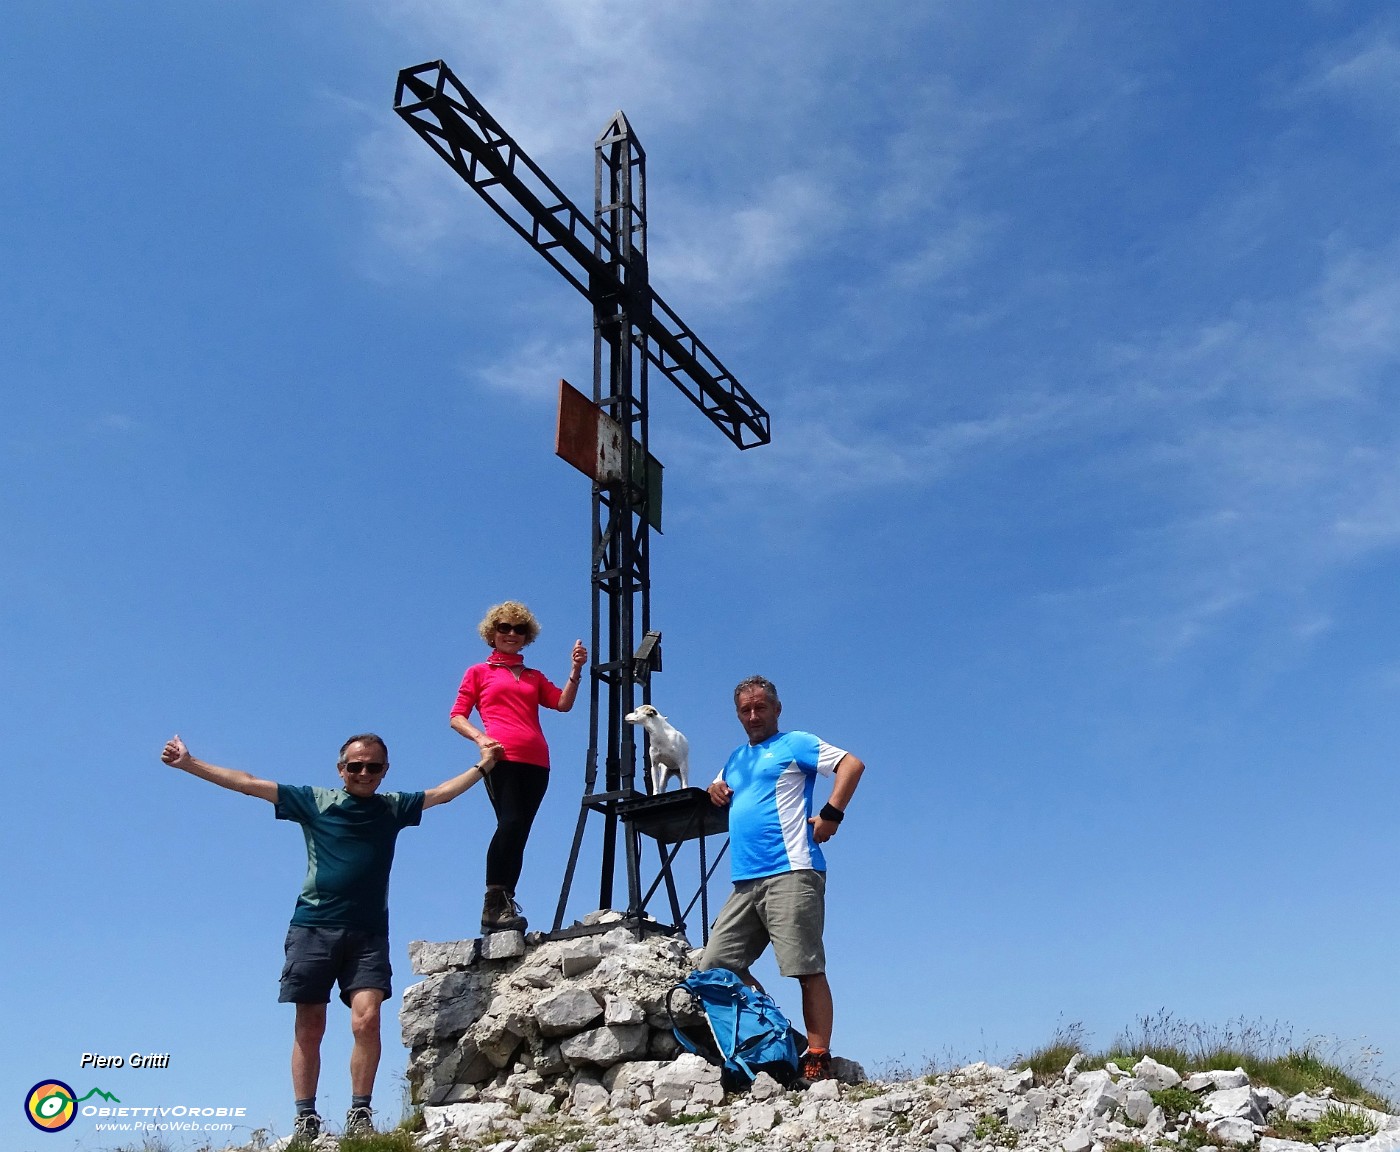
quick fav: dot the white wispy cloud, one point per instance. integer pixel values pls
(731, 253)
(533, 370)
(1365, 72)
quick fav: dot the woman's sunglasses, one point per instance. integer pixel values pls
(519, 629)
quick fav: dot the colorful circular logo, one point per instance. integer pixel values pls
(50, 1105)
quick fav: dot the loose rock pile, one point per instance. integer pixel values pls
(496, 1017)
(979, 1108)
(563, 1045)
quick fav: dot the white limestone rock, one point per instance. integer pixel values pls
(503, 946)
(1155, 1125)
(467, 1120)
(1019, 1082)
(1137, 1106)
(587, 1095)
(535, 1103)
(1079, 1140)
(443, 1006)
(1232, 1129)
(656, 1111)
(428, 958)
(621, 1010)
(677, 1080)
(1154, 1077)
(1217, 1079)
(579, 956)
(1021, 1115)
(498, 1038)
(761, 1118)
(605, 1046)
(1235, 1103)
(1274, 1144)
(631, 1075)
(874, 1112)
(955, 1131)
(1386, 1141)
(704, 1097)
(1091, 1083)
(567, 1011)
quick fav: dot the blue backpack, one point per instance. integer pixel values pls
(751, 1034)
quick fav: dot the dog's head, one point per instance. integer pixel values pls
(642, 715)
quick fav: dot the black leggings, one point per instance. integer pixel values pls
(516, 791)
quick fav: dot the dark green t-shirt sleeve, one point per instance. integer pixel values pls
(295, 802)
(407, 807)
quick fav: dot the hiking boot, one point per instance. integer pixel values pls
(814, 1066)
(305, 1128)
(359, 1122)
(500, 912)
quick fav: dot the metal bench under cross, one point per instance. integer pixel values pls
(605, 258)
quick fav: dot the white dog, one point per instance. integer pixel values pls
(668, 751)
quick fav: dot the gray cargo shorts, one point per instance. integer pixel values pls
(787, 910)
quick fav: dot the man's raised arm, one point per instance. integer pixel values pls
(178, 756)
(451, 789)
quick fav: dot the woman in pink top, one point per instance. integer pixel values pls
(508, 696)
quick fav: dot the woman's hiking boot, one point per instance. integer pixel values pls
(500, 912)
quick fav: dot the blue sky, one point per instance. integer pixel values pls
(1078, 326)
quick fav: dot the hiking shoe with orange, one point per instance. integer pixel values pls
(814, 1066)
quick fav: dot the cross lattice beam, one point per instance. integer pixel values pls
(460, 130)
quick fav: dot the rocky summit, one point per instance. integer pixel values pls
(524, 1045)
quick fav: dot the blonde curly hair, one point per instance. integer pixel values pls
(508, 612)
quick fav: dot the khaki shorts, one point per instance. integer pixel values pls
(787, 910)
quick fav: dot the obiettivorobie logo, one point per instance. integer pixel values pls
(51, 1105)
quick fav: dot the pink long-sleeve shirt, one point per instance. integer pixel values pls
(509, 707)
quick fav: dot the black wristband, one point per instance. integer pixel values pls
(835, 815)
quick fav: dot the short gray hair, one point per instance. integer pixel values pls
(763, 682)
(365, 738)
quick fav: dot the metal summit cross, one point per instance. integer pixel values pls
(605, 258)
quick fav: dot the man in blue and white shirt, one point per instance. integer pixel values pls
(777, 865)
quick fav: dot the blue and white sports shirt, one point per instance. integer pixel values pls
(772, 782)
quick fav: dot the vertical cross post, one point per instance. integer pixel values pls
(621, 569)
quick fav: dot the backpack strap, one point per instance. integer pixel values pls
(685, 1041)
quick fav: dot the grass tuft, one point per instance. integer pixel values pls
(1337, 1121)
(1267, 1052)
(399, 1140)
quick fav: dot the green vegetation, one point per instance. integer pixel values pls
(1176, 1101)
(399, 1140)
(692, 1118)
(1336, 1121)
(992, 1127)
(1266, 1052)
(558, 1133)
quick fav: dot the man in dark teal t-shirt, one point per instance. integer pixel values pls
(340, 927)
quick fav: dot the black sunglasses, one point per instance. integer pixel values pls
(518, 629)
(369, 767)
